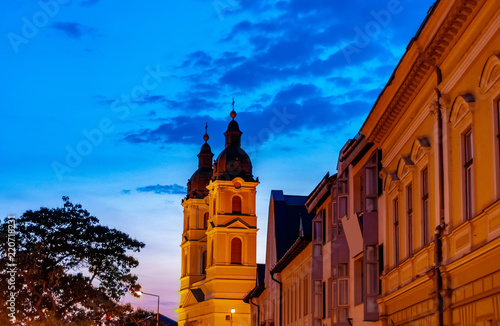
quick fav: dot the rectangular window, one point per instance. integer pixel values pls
(334, 221)
(318, 300)
(343, 207)
(409, 205)
(468, 151)
(317, 250)
(372, 282)
(318, 231)
(396, 231)
(425, 207)
(323, 222)
(358, 281)
(343, 285)
(370, 185)
(343, 193)
(324, 300)
(343, 292)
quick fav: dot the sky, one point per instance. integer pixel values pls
(106, 102)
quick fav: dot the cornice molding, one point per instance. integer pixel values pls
(454, 25)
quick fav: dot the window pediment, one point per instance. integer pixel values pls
(491, 73)
(462, 106)
(419, 149)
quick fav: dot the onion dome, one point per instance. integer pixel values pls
(197, 184)
(233, 161)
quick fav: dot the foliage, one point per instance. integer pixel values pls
(68, 267)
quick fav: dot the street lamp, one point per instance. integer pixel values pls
(140, 293)
(232, 312)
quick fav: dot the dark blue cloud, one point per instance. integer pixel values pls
(74, 30)
(287, 58)
(174, 189)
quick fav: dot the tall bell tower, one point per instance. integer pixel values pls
(232, 230)
(196, 208)
(227, 245)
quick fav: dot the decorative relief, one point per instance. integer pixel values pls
(405, 166)
(419, 149)
(462, 106)
(491, 73)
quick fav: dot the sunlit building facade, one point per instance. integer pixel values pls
(219, 238)
(436, 125)
(408, 230)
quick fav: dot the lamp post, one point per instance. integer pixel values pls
(140, 293)
(232, 312)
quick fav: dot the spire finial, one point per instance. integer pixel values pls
(233, 113)
(205, 137)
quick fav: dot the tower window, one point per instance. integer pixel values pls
(204, 262)
(205, 220)
(236, 251)
(236, 205)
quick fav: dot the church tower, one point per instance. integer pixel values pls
(227, 244)
(194, 238)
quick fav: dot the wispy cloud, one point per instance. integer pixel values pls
(74, 30)
(174, 189)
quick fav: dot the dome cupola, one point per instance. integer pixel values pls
(233, 161)
(197, 184)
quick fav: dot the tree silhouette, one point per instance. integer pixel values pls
(67, 267)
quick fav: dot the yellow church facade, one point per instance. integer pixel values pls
(219, 238)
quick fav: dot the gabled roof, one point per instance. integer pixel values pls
(288, 211)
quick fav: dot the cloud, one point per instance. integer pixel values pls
(125, 192)
(74, 30)
(174, 189)
(291, 70)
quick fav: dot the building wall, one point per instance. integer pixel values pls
(470, 236)
(296, 278)
(435, 233)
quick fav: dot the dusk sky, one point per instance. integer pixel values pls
(106, 102)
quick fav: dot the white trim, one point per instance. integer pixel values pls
(409, 132)
(472, 56)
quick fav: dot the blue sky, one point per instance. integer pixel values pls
(106, 102)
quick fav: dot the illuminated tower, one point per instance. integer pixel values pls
(194, 238)
(230, 239)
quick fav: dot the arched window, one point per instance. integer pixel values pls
(214, 210)
(205, 220)
(184, 264)
(236, 205)
(236, 251)
(204, 262)
(212, 254)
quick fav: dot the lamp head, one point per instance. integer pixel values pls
(233, 311)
